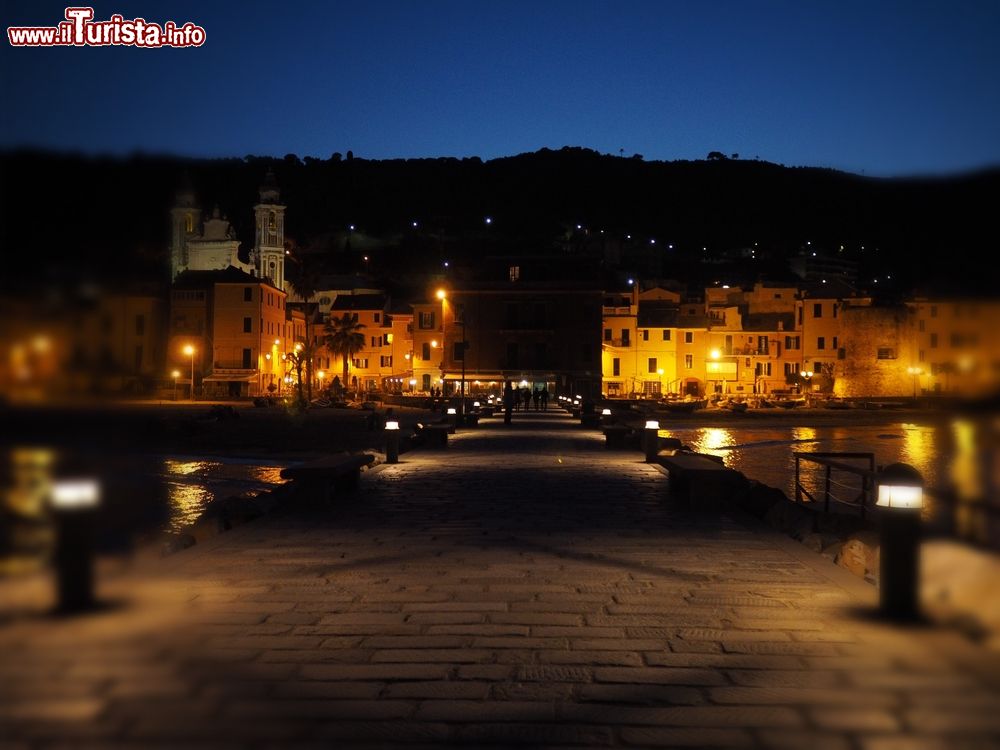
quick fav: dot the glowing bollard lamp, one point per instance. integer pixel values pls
(392, 442)
(452, 418)
(74, 506)
(900, 498)
(651, 440)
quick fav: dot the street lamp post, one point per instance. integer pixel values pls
(807, 375)
(916, 372)
(175, 374)
(461, 403)
(189, 350)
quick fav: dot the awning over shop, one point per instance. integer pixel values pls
(224, 378)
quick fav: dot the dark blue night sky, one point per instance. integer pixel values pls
(888, 88)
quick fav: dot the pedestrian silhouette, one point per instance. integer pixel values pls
(545, 399)
(508, 401)
(536, 396)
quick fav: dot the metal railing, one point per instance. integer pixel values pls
(832, 486)
(976, 522)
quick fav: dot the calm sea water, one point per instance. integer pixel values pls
(958, 456)
(962, 456)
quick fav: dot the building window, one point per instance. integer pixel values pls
(140, 325)
(378, 317)
(246, 359)
(385, 361)
(792, 342)
(425, 352)
(666, 334)
(834, 342)
(651, 364)
(933, 311)
(189, 224)
(512, 354)
(689, 361)
(616, 367)
(933, 341)
(818, 310)
(791, 368)
(425, 382)
(426, 321)
(920, 356)
(625, 337)
(821, 342)
(688, 337)
(835, 309)
(361, 363)
(920, 326)
(248, 294)
(515, 273)
(607, 334)
(247, 325)
(645, 334)
(885, 352)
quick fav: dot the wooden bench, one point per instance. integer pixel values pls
(331, 475)
(436, 435)
(614, 436)
(701, 480)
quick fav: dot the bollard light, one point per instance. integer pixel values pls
(605, 412)
(392, 442)
(900, 496)
(900, 486)
(75, 494)
(475, 404)
(451, 410)
(651, 440)
(74, 503)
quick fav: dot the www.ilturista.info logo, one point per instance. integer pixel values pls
(81, 30)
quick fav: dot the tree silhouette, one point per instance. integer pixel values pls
(304, 281)
(343, 337)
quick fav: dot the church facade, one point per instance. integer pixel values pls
(209, 243)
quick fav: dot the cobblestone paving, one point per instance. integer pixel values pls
(526, 587)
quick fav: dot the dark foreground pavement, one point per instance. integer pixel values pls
(526, 587)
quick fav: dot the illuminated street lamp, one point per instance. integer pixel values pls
(392, 442)
(900, 496)
(807, 376)
(74, 504)
(651, 440)
(189, 351)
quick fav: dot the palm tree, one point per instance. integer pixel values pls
(304, 283)
(343, 336)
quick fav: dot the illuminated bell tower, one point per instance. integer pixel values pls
(185, 218)
(269, 242)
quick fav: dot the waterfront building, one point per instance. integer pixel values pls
(539, 334)
(372, 364)
(238, 328)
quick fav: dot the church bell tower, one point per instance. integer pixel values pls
(269, 242)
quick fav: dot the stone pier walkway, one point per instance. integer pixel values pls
(526, 587)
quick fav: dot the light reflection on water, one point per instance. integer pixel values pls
(962, 455)
(193, 483)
